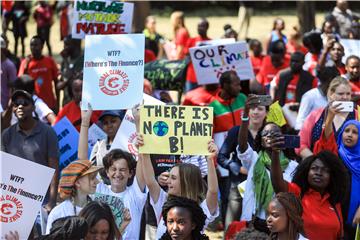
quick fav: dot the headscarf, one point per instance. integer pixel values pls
(351, 159)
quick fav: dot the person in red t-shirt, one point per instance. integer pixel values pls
(352, 67)
(181, 34)
(256, 57)
(294, 44)
(72, 110)
(201, 96)
(336, 52)
(43, 16)
(313, 42)
(43, 70)
(271, 65)
(202, 28)
(290, 84)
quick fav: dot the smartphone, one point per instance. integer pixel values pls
(291, 141)
(347, 106)
(264, 100)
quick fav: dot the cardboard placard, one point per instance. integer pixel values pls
(101, 17)
(351, 47)
(68, 140)
(116, 204)
(113, 71)
(176, 130)
(23, 188)
(95, 134)
(211, 61)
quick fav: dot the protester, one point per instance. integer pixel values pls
(202, 95)
(290, 84)
(256, 56)
(32, 140)
(335, 51)
(284, 217)
(185, 181)
(258, 189)
(19, 15)
(321, 182)
(181, 34)
(43, 70)
(228, 158)
(153, 40)
(72, 109)
(316, 97)
(184, 219)
(43, 16)
(229, 32)
(313, 42)
(344, 17)
(294, 44)
(339, 90)
(276, 33)
(328, 32)
(78, 180)
(271, 65)
(67, 228)
(352, 66)
(202, 28)
(8, 74)
(12, 57)
(101, 222)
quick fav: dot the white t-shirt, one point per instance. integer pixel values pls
(161, 229)
(41, 109)
(64, 209)
(134, 199)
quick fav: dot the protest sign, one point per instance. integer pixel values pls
(125, 137)
(216, 42)
(23, 188)
(166, 75)
(68, 140)
(351, 47)
(276, 115)
(116, 204)
(176, 130)
(95, 134)
(211, 61)
(113, 71)
(101, 17)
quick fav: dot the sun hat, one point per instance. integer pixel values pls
(115, 113)
(71, 173)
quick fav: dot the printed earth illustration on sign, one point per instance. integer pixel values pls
(160, 128)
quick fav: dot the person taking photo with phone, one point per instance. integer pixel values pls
(257, 161)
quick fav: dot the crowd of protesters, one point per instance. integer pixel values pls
(250, 184)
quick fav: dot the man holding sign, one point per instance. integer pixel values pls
(176, 129)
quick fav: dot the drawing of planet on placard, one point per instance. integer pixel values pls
(160, 128)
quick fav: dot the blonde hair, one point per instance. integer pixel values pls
(335, 83)
(192, 185)
(177, 19)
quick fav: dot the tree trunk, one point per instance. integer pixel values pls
(141, 11)
(306, 15)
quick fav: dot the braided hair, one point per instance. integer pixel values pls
(294, 210)
(197, 215)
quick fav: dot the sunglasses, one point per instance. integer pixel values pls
(265, 133)
(22, 101)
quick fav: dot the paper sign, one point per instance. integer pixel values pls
(216, 42)
(116, 204)
(211, 61)
(68, 139)
(351, 47)
(125, 137)
(23, 188)
(176, 130)
(276, 115)
(95, 134)
(101, 17)
(113, 71)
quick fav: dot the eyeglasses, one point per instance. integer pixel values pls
(22, 101)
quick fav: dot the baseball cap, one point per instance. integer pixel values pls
(23, 93)
(115, 113)
(71, 173)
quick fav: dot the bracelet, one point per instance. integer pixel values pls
(244, 119)
(83, 125)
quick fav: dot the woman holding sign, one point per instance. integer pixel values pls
(185, 181)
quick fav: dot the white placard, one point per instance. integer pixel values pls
(351, 47)
(125, 137)
(113, 71)
(95, 134)
(216, 42)
(101, 17)
(23, 188)
(211, 61)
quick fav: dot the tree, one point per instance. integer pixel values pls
(306, 15)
